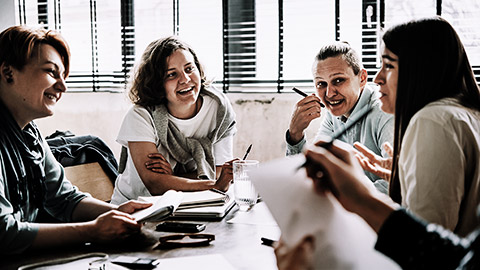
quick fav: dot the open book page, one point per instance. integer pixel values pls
(209, 211)
(163, 206)
(342, 239)
(195, 199)
(202, 199)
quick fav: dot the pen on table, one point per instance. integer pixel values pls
(361, 114)
(248, 151)
(300, 92)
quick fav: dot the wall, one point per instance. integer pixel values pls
(262, 120)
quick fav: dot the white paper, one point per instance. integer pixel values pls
(343, 240)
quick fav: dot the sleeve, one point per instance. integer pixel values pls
(62, 197)
(223, 150)
(15, 236)
(432, 171)
(413, 244)
(137, 126)
(385, 132)
(294, 149)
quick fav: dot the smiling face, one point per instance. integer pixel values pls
(37, 87)
(337, 85)
(387, 79)
(182, 84)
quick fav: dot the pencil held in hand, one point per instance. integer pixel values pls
(300, 92)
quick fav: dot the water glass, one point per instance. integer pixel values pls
(244, 191)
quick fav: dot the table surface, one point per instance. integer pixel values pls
(239, 244)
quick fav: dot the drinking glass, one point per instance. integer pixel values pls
(244, 191)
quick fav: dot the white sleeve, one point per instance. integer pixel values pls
(223, 150)
(137, 126)
(432, 170)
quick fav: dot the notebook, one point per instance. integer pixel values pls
(205, 213)
(201, 205)
(163, 207)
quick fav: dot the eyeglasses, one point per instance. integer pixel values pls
(185, 240)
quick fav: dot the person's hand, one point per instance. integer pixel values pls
(157, 163)
(340, 173)
(305, 111)
(113, 225)
(226, 176)
(380, 166)
(299, 257)
(133, 206)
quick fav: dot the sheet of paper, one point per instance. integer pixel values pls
(342, 239)
(210, 262)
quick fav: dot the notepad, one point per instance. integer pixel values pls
(195, 199)
(163, 207)
(208, 212)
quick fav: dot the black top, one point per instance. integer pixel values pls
(415, 244)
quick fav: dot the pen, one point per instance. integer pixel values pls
(248, 151)
(217, 191)
(361, 114)
(268, 242)
(300, 92)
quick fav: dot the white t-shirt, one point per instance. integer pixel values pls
(439, 167)
(138, 126)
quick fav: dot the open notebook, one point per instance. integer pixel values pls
(163, 207)
(201, 205)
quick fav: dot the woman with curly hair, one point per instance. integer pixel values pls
(179, 134)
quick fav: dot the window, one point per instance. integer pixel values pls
(245, 45)
(462, 14)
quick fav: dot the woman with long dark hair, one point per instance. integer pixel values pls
(436, 103)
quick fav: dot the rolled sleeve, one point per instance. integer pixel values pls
(15, 235)
(294, 149)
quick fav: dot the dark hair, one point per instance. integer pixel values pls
(341, 49)
(147, 87)
(18, 44)
(432, 65)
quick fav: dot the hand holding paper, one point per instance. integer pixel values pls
(342, 239)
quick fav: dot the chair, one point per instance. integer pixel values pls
(91, 178)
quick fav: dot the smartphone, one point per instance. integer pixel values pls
(181, 227)
(136, 262)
